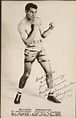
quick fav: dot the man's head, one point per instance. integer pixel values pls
(31, 10)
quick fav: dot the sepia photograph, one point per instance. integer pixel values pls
(38, 59)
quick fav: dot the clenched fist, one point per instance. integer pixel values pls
(51, 25)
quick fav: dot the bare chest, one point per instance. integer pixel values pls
(28, 28)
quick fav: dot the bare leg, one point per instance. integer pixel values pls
(49, 81)
(47, 68)
(27, 70)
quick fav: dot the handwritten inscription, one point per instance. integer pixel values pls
(61, 89)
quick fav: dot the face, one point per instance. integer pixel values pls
(31, 13)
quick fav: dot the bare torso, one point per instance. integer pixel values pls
(27, 27)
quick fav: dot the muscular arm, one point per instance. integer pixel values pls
(46, 32)
(27, 39)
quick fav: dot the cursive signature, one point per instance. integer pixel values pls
(60, 86)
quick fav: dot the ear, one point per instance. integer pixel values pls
(26, 11)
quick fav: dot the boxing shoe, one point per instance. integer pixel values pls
(17, 98)
(53, 99)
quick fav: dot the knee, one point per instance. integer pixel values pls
(49, 75)
(26, 75)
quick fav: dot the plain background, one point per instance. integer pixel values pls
(60, 47)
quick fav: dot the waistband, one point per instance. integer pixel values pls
(35, 43)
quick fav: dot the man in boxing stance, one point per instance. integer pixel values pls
(31, 31)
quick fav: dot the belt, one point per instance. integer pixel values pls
(34, 43)
(37, 41)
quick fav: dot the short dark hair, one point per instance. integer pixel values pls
(30, 5)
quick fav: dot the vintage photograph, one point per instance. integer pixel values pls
(38, 43)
